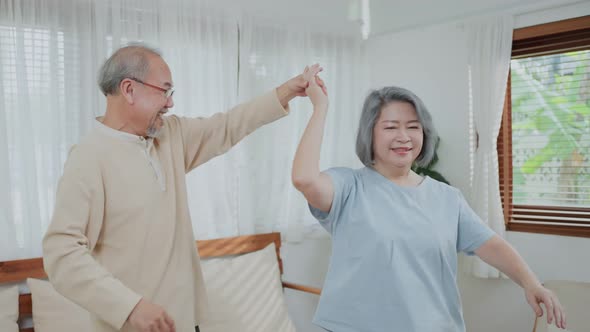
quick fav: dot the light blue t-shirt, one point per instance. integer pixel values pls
(394, 257)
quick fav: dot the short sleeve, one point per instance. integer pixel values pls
(472, 232)
(343, 183)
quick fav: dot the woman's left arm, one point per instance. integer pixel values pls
(500, 254)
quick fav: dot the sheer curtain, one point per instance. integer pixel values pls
(269, 54)
(490, 44)
(50, 52)
(46, 105)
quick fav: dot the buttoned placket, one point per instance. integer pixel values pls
(147, 146)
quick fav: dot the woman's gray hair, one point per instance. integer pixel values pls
(130, 61)
(372, 107)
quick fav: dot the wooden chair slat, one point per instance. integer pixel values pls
(18, 270)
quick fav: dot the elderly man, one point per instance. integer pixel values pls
(121, 242)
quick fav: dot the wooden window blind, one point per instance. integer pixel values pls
(544, 140)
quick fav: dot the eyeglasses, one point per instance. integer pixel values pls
(167, 92)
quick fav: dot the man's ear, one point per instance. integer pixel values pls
(126, 89)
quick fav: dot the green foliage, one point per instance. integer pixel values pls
(552, 108)
(429, 169)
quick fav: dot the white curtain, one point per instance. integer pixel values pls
(269, 54)
(490, 44)
(50, 52)
(46, 104)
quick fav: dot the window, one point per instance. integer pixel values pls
(544, 141)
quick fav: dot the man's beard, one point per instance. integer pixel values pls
(152, 130)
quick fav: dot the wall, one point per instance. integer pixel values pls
(431, 61)
(305, 263)
(388, 16)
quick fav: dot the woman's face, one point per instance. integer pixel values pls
(397, 136)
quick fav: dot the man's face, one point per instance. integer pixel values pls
(152, 102)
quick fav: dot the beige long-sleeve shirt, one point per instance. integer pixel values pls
(121, 228)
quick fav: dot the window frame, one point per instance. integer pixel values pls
(526, 42)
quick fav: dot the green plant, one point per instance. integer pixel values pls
(428, 170)
(551, 123)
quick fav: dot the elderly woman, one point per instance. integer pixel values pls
(395, 233)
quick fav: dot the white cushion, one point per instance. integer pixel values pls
(245, 294)
(9, 309)
(54, 313)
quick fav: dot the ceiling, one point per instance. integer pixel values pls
(386, 15)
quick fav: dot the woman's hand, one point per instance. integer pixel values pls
(296, 86)
(316, 90)
(538, 294)
(500, 254)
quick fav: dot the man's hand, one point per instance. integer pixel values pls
(148, 317)
(294, 87)
(317, 91)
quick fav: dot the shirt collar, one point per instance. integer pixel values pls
(121, 134)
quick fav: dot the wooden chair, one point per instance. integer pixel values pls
(19, 270)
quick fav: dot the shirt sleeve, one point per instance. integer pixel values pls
(472, 232)
(67, 259)
(343, 183)
(206, 138)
